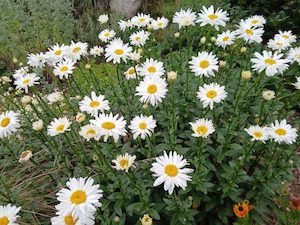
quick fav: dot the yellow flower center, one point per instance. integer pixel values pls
(212, 16)
(94, 104)
(78, 197)
(211, 94)
(297, 56)
(160, 24)
(108, 125)
(106, 34)
(143, 125)
(138, 38)
(152, 89)
(151, 69)
(124, 163)
(131, 71)
(4, 220)
(142, 20)
(204, 64)
(119, 52)
(202, 130)
(280, 131)
(249, 32)
(171, 170)
(187, 22)
(26, 81)
(91, 132)
(69, 220)
(5, 122)
(76, 49)
(270, 61)
(60, 128)
(63, 69)
(226, 38)
(279, 44)
(254, 21)
(24, 154)
(285, 36)
(57, 52)
(258, 134)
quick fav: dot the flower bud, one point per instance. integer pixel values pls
(172, 75)
(38, 125)
(80, 117)
(177, 35)
(222, 63)
(203, 40)
(26, 99)
(243, 49)
(146, 220)
(268, 95)
(246, 74)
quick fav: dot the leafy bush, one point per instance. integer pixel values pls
(32, 25)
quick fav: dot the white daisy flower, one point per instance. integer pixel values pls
(71, 220)
(169, 169)
(282, 132)
(185, 18)
(160, 23)
(116, 51)
(106, 35)
(214, 18)
(96, 51)
(77, 49)
(139, 38)
(110, 126)
(204, 64)
(37, 60)
(123, 162)
(288, 35)
(152, 67)
(22, 71)
(103, 18)
(258, 133)
(26, 81)
(256, 21)
(278, 43)
(202, 128)
(123, 25)
(297, 83)
(9, 123)
(272, 63)
(249, 33)
(80, 198)
(55, 97)
(152, 89)
(294, 55)
(92, 105)
(64, 68)
(131, 73)
(142, 126)
(9, 214)
(58, 126)
(90, 131)
(56, 53)
(141, 20)
(225, 39)
(210, 94)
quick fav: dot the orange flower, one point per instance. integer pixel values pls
(241, 210)
(295, 203)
